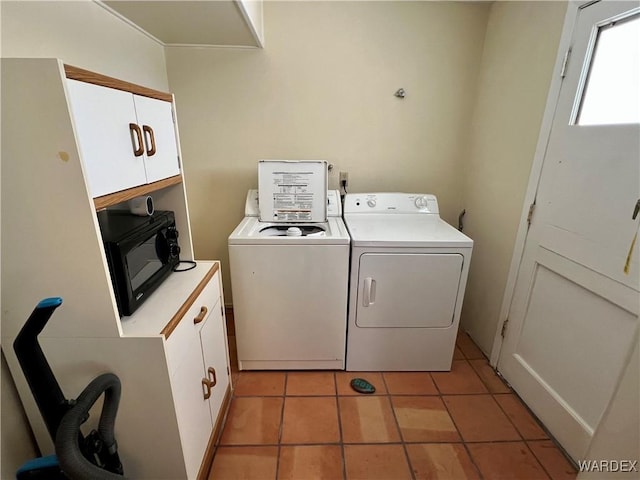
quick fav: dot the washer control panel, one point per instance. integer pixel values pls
(334, 205)
(390, 203)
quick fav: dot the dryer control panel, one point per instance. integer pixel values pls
(390, 203)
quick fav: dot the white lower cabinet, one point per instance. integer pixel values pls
(197, 360)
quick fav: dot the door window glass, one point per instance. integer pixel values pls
(612, 91)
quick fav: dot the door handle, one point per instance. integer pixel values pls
(206, 391)
(148, 133)
(212, 376)
(201, 315)
(369, 291)
(135, 129)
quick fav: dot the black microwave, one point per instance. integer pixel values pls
(141, 253)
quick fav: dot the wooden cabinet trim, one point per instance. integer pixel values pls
(75, 73)
(124, 195)
(175, 320)
(207, 460)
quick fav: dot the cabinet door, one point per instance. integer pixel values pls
(413, 290)
(189, 377)
(192, 408)
(101, 119)
(213, 340)
(155, 118)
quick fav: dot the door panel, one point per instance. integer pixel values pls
(554, 296)
(214, 350)
(101, 119)
(575, 309)
(157, 116)
(590, 195)
(192, 409)
(407, 290)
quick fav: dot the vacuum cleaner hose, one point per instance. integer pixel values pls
(70, 457)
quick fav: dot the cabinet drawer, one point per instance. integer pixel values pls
(185, 336)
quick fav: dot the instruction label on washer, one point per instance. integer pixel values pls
(292, 191)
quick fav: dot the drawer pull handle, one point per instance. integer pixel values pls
(201, 315)
(206, 391)
(212, 375)
(139, 150)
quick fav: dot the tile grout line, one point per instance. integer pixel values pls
(486, 384)
(395, 418)
(493, 395)
(464, 443)
(466, 447)
(344, 458)
(511, 392)
(435, 384)
(281, 429)
(342, 444)
(383, 394)
(520, 433)
(544, 469)
(400, 442)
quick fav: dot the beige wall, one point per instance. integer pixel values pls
(517, 63)
(323, 89)
(86, 35)
(83, 34)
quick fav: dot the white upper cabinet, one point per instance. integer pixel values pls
(125, 140)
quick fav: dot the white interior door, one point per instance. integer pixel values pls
(575, 304)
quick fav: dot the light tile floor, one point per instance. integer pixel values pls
(462, 424)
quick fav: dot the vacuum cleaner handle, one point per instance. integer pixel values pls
(72, 461)
(43, 384)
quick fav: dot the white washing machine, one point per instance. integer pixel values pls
(290, 290)
(408, 276)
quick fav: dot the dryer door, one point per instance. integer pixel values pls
(411, 290)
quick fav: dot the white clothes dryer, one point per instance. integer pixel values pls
(408, 276)
(290, 290)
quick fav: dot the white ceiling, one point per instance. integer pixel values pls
(213, 22)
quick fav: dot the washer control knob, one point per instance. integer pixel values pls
(371, 202)
(422, 202)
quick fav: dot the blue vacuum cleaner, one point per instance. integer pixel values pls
(94, 457)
